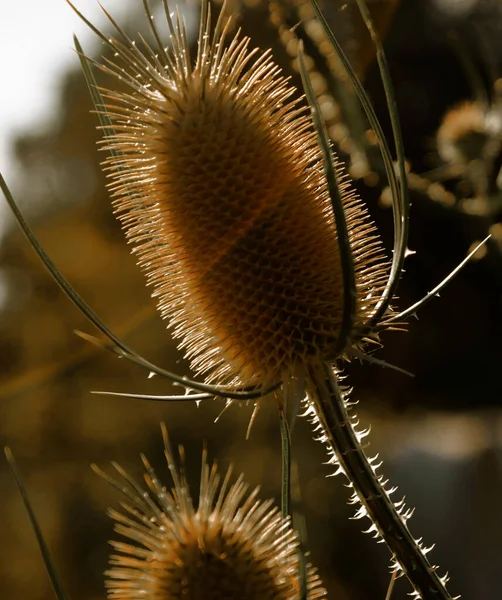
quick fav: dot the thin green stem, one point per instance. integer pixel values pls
(301, 527)
(434, 292)
(286, 500)
(44, 550)
(286, 464)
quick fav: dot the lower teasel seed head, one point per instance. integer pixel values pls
(232, 546)
(218, 181)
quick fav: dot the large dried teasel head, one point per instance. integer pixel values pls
(230, 546)
(218, 180)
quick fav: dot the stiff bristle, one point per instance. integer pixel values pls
(218, 181)
(231, 547)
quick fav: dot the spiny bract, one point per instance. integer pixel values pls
(231, 547)
(218, 181)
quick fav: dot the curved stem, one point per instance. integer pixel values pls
(400, 204)
(435, 292)
(402, 197)
(333, 182)
(388, 519)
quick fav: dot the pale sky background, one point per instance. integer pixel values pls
(36, 41)
(35, 50)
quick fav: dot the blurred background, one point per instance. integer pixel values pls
(439, 433)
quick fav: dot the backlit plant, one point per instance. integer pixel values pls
(262, 257)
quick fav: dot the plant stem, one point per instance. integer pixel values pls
(286, 465)
(389, 520)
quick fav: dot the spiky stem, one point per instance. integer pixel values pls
(388, 519)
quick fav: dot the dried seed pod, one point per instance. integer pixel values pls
(217, 179)
(232, 546)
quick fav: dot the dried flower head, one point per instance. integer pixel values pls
(217, 179)
(231, 546)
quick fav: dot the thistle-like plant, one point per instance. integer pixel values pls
(261, 256)
(227, 545)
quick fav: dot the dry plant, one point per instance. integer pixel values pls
(227, 545)
(263, 260)
(231, 546)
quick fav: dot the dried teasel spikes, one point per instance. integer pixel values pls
(218, 181)
(231, 547)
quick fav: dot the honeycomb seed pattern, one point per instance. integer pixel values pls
(219, 185)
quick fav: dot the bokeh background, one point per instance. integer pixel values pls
(439, 433)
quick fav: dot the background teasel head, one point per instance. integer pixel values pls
(217, 177)
(230, 546)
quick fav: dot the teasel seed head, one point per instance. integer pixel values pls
(232, 546)
(217, 179)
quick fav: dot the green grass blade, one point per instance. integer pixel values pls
(44, 550)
